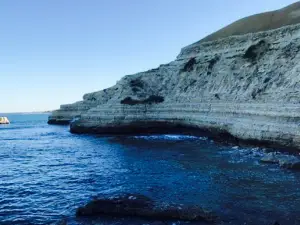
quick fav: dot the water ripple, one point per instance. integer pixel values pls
(46, 173)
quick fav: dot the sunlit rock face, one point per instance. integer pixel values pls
(245, 87)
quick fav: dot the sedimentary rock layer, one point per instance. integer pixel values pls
(245, 87)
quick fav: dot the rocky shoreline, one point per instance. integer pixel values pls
(245, 86)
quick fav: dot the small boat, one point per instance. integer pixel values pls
(4, 120)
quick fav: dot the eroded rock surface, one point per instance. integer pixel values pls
(244, 86)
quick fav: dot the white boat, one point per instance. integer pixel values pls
(4, 120)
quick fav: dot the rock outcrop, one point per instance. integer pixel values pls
(241, 83)
(4, 120)
(285, 161)
(142, 206)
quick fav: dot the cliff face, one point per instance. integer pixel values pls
(245, 87)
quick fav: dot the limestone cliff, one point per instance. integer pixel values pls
(244, 86)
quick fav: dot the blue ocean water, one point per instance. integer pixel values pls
(46, 173)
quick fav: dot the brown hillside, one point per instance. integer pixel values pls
(259, 22)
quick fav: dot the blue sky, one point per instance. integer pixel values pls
(54, 51)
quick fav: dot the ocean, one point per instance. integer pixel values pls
(46, 173)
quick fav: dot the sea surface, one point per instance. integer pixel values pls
(46, 173)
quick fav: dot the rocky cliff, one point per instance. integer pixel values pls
(244, 87)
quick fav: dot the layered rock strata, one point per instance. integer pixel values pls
(68, 112)
(243, 87)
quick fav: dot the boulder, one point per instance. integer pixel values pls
(285, 161)
(144, 207)
(270, 158)
(290, 163)
(275, 223)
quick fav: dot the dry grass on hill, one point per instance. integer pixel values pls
(259, 22)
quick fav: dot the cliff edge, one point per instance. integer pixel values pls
(241, 82)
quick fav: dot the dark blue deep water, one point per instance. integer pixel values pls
(47, 172)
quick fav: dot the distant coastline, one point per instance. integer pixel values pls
(35, 112)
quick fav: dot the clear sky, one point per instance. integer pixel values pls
(54, 51)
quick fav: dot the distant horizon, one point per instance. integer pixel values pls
(30, 112)
(56, 51)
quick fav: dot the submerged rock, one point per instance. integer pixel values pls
(61, 222)
(290, 163)
(275, 223)
(142, 206)
(270, 158)
(285, 161)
